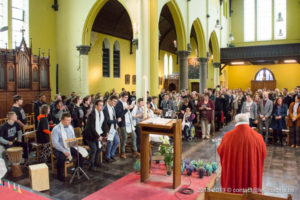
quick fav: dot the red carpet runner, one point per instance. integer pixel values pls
(9, 193)
(158, 187)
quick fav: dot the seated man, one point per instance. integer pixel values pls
(61, 150)
(242, 155)
(10, 133)
(154, 106)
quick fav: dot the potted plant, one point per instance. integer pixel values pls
(167, 151)
(201, 172)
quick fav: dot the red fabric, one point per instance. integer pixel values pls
(242, 154)
(222, 117)
(47, 131)
(157, 187)
(9, 193)
(40, 117)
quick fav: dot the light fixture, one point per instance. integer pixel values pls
(135, 30)
(280, 33)
(135, 40)
(175, 43)
(279, 19)
(218, 25)
(231, 38)
(238, 63)
(290, 61)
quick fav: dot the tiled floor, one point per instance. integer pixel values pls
(281, 173)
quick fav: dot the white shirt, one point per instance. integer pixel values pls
(295, 109)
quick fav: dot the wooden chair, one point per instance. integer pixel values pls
(31, 135)
(2, 121)
(67, 163)
(30, 119)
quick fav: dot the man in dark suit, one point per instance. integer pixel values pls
(112, 122)
(96, 129)
(125, 124)
(286, 98)
(264, 112)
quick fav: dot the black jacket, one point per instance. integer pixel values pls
(77, 117)
(41, 135)
(120, 112)
(107, 118)
(89, 133)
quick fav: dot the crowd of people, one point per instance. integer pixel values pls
(100, 119)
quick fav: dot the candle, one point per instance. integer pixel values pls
(145, 97)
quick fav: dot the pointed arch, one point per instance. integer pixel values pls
(88, 24)
(200, 38)
(215, 47)
(179, 25)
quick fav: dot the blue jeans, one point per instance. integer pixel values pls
(112, 146)
(95, 153)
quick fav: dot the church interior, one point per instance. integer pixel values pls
(147, 99)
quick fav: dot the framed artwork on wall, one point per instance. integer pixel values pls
(160, 80)
(134, 79)
(127, 79)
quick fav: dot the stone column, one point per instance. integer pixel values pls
(217, 67)
(154, 47)
(183, 69)
(142, 50)
(203, 74)
(83, 70)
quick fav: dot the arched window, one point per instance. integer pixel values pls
(166, 66)
(170, 65)
(117, 59)
(264, 75)
(35, 75)
(105, 58)
(2, 76)
(44, 76)
(11, 74)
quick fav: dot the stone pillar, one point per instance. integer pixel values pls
(183, 69)
(217, 67)
(83, 70)
(154, 48)
(142, 51)
(203, 74)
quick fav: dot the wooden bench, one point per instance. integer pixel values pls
(285, 134)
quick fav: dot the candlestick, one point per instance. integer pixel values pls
(145, 97)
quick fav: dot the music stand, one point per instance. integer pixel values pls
(78, 168)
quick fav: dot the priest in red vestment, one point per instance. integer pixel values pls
(242, 153)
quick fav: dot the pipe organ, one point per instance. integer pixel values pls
(24, 74)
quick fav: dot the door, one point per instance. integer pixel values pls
(195, 86)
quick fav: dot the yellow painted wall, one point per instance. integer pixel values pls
(286, 75)
(293, 28)
(42, 30)
(97, 83)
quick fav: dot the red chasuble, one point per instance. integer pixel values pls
(242, 154)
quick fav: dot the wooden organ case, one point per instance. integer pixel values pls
(24, 74)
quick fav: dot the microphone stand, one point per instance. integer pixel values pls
(78, 168)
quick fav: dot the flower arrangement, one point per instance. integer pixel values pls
(167, 151)
(200, 167)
